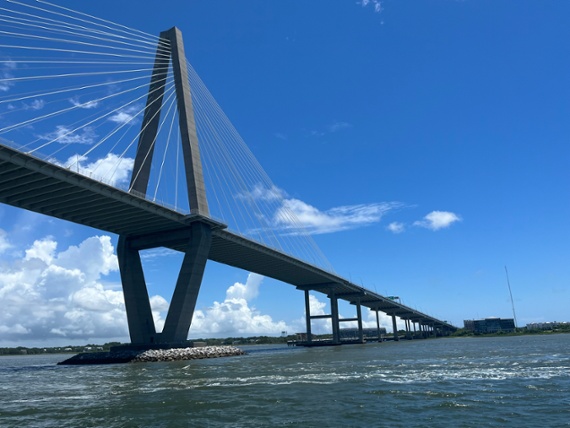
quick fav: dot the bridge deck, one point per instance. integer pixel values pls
(36, 185)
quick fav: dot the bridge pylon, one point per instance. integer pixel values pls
(142, 330)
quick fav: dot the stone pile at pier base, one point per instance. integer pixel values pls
(148, 355)
(187, 353)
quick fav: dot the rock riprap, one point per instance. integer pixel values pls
(187, 353)
(150, 355)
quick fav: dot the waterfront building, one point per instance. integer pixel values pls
(490, 325)
(550, 325)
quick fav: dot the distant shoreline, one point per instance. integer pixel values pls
(259, 340)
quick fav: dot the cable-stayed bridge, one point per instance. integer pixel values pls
(109, 127)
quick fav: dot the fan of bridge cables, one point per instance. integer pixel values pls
(73, 90)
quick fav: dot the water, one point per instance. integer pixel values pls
(453, 382)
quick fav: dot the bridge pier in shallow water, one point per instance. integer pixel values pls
(395, 328)
(141, 324)
(334, 316)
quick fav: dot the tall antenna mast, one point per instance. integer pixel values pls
(511, 293)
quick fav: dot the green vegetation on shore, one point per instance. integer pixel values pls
(255, 340)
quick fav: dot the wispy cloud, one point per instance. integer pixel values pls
(84, 105)
(293, 216)
(280, 136)
(437, 220)
(330, 129)
(338, 126)
(396, 227)
(6, 74)
(34, 105)
(298, 216)
(376, 4)
(64, 135)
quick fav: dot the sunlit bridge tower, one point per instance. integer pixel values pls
(196, 237)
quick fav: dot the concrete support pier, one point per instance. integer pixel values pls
(395, 328)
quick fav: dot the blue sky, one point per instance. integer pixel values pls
(452, 113)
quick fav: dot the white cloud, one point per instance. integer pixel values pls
(396, 227)
(296, 215)
(262, 193)
(111, 169)
(64, 135)
(436, 220)
(126, 115)
(42, 250)
(52, 296)
(247, 291)
(84, 105)
(48, 295)
(234, 316)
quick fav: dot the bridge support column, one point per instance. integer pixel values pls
(359, 316)
(188, 284)
(308, 316)
(395, 328)
(139, 315)
(378, 326)
(137, 304)
(334, 319)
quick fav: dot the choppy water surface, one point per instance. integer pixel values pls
(460, 382)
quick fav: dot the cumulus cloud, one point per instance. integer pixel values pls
(48, 294)
(53, 296)
(235, 316)
(437, 220)
(64, 135)
(111, 169)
